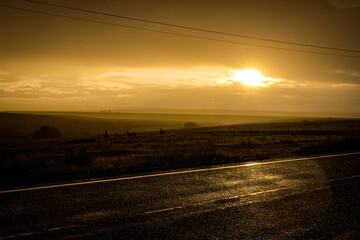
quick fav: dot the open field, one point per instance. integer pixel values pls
(92, 123)
(25, 160)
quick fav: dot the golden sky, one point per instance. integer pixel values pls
(51, 61)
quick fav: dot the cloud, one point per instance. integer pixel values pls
(126, 95)
(348, 73)
(204, 87)
(345, 3)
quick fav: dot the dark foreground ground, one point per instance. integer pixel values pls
(26, 161)
(311, 198)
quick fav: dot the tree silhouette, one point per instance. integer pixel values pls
(47, 132)
(190, 125)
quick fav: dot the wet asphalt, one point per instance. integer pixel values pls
(280, 199)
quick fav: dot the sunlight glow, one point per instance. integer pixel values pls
(252, 77)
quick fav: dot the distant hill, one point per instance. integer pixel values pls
(21, 124)
(26, 123)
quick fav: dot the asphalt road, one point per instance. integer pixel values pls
(309, 198)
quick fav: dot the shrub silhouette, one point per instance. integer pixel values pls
(80, 159)
(83, 159)
(47, 132)
(69, 158)
(190, 125)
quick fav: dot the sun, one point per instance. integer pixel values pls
(250, 77)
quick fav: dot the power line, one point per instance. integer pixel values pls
(194, 28)
(175, 34)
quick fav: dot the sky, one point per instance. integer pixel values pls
(54, 63)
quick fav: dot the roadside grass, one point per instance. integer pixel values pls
(31, 161)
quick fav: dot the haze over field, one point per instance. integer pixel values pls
(300, 56)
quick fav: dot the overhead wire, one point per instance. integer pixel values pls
(175, 34)
(193, 28)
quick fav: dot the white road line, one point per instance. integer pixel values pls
(36, 233)
(176, 172)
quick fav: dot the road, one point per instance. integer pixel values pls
(316, 198)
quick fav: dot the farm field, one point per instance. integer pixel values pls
(81, 154)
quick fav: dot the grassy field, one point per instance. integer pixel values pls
(92, 123)
(25, 160)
